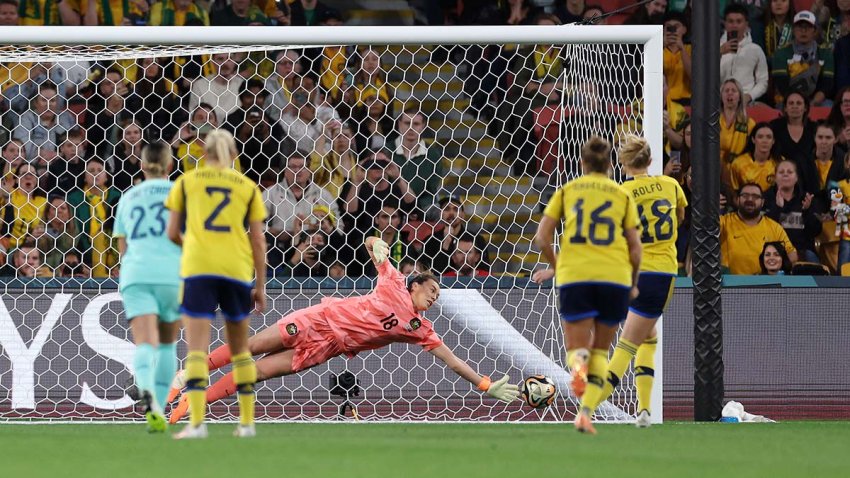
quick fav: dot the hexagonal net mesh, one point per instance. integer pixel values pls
(449, 153)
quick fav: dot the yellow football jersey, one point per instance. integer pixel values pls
(746, 170)
(595, 211)
(657, 198)
(741, 245)
(823, 171)
(218, 205)
(23, 215)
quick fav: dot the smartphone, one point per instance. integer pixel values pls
(676, 157)
(733, 36)
(672, 29)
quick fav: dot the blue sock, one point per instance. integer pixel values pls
(166, 367)
(144, 364)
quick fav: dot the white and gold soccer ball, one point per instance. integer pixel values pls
(539, 391)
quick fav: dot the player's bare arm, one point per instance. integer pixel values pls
(175, 226)
(258, 249)
(635, 249)
(543, 239)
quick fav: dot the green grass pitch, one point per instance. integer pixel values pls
(716, 450)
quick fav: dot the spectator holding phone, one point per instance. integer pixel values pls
(742, 59)
(677, 58)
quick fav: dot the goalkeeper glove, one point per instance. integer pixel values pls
(500, 389)
(380, 250)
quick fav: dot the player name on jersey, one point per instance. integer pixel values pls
(597, 186)
(153, 190)
(646, 189)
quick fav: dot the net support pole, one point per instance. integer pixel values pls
(653, 94)
(653, 120)
(705, 220)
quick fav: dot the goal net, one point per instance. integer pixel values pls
(446, 142)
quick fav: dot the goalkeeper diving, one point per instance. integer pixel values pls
(312, 336)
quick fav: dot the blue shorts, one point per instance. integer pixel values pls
(202, 296)
(151, 299)
(655, 289)
(607, 303)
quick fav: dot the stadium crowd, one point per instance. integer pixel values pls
(318, 130)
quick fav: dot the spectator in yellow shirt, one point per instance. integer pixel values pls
(192, 155)
(27, 263)
(735, 126)
(743, 234)
(39, 12)
(25, 208)
(758, 164)
(677, 58)
(102, 12)
(175, 13)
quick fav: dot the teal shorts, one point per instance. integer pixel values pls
(151, 299)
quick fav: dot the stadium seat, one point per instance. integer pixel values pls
(547, 132)
(818, 113)
(761, 113)
(611, 5)
(845, 270)
(803, 4)
(809, 269)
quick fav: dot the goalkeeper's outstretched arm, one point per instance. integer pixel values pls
(500, 389)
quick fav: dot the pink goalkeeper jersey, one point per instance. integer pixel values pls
(380, 318)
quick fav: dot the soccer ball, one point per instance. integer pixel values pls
(539, 391)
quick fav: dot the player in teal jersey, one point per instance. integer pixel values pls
(150, 281)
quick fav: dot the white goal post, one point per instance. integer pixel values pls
(500, 324)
